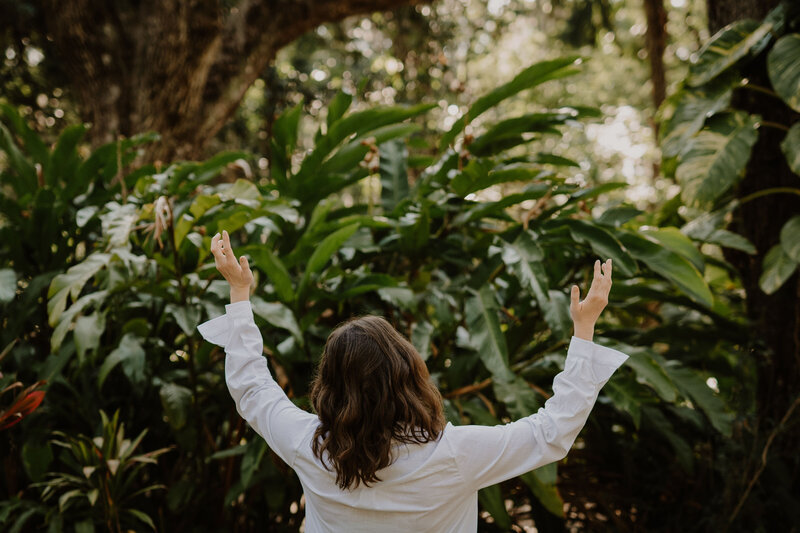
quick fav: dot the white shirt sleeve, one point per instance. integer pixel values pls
(259, 399)
(486, 455)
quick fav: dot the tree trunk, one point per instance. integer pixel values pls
(656, 38)
(177, 67)
(776, 317)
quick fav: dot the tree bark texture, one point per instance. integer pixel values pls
(177, 67)
(656, 39)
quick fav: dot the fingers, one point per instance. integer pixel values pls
(575, 296)
(607, 269)
(597, 273)
(245, 263)
(226, 239)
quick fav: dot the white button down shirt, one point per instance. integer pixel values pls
(429, 487)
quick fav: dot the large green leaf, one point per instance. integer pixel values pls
(276, 272)
(478, 175)
(394, 173)
(672, 238)
(777, 268)
(130, 354)
(176, 400)
(791, 148)
(542, 482)
(694, 386)
(491, 499)
(783, 65)
(649, 371)
(513, 128)
(486, 337)
(530, 77)
(322, 253)
(692, 106)
(726, 48)
(355, 123)
(71, 283)
(88, 330)
(670, 265)
(603, 243)
(279, 316)
(790, 238)
(716, 157)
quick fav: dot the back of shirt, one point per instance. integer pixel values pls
(429, 487)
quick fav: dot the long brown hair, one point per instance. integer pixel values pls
(372, 388)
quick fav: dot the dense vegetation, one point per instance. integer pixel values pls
(467, 240)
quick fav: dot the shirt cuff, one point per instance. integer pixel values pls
(219, 330)
(604, 361)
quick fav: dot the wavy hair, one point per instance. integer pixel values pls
(372, 389)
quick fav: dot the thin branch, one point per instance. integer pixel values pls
(764, 453)
(767, 192)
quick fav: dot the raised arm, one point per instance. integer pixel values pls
(486, 455)
(258, 398)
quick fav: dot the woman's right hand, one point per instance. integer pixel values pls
(236, 273)
(585, 313)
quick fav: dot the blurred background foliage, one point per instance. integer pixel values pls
(453, 166)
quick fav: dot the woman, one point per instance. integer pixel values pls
(378, 456)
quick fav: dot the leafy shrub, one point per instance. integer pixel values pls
(477, 281)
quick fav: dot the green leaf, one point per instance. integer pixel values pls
(476, 176)
(693, 106)
(88, 330)
(694, 386)
(142, 517)
(673, 239)
(421, 334)
(790, 238)
(783, 66)
(726, 48)
(603, 243)
(276, 272)
(130, 354)
(670, 265)
(491, 499)
(486, 337)
(340, 103)
(513, 128)
(256, 449)
(517, 396)
(393, 173)
(71, 283)
(625, 399)
(279, 316)
(65, 160)
(542, 483)
(117, 223)
(530, 77)
(716, 158)
(791, 148)
(778, 267)
(649, 371)
(176, 400)
(8, 285)
(36, 458)
(323, 253)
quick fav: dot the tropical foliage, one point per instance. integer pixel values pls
(108, 274)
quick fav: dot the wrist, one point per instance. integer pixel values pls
(239, 294)
(584, 331)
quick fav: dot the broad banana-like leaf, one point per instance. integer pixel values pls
(726, 48)
(783, 66)
(670, 265)
(716, 158)
(486, 337)
(603, 243)
(329, 246)
(693, 106)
